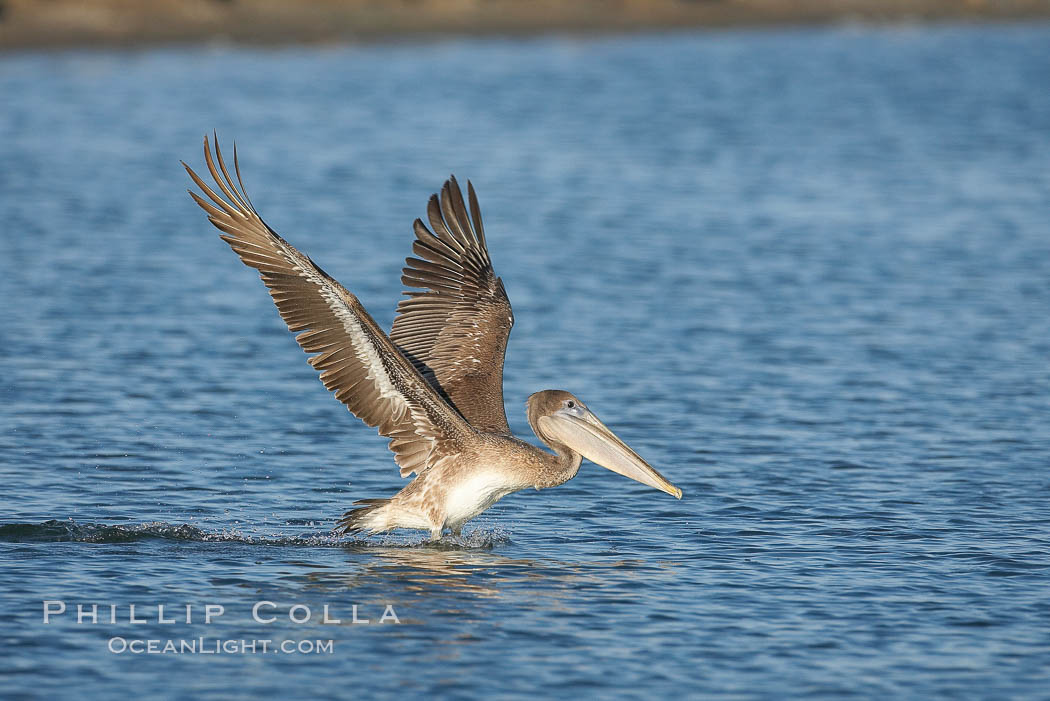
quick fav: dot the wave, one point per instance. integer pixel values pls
(54, 531)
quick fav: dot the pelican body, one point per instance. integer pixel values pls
(434, 385)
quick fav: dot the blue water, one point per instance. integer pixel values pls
(805, 273)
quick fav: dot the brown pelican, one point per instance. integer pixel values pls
(434, 386)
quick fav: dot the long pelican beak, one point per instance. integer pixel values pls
(579, 429)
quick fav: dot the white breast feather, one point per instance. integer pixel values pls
(475, 494)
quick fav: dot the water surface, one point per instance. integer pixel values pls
(804, 273)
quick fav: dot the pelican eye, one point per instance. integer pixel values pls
(571, 404)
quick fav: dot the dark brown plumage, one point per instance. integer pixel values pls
(455, 330)
(389, 395)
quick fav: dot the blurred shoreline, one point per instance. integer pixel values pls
(44, 24)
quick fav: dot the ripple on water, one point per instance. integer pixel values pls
(54, 531)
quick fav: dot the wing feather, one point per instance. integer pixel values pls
(356, 360)
(455, 324)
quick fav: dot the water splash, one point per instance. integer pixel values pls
(55, 531)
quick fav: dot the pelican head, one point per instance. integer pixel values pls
(562, 421)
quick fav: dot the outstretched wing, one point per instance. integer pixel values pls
(356, 360)
(455, 330)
